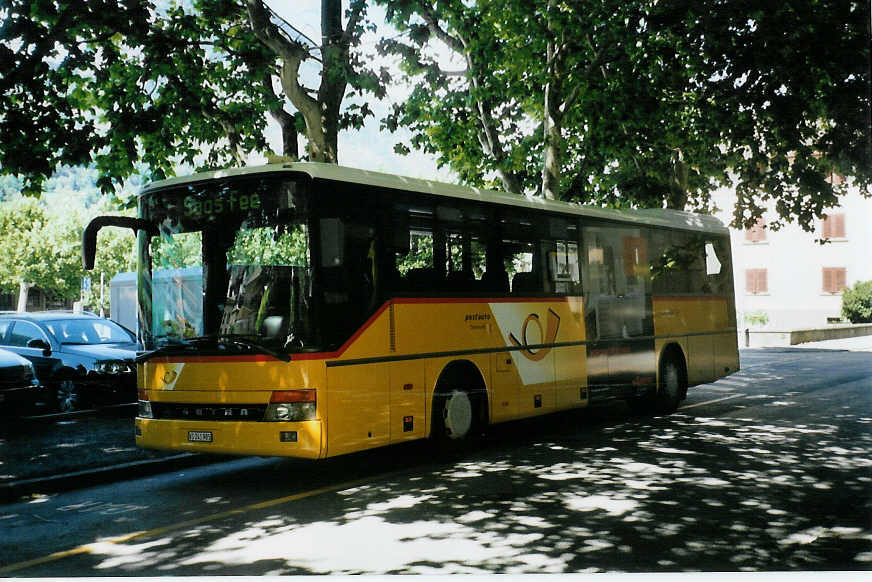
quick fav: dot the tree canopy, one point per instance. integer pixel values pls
(644, 103)
(42, 247)
(166, 84)
(640, 103)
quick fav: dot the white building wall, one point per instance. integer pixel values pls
(794, 262)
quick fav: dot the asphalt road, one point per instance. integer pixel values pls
(768, 470)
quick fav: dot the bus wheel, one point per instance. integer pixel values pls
(453, 423)
(457, 415)
(671, 387)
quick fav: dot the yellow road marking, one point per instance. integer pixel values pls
(711, 401)
(89, 548)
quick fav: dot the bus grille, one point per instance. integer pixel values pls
(229, 412)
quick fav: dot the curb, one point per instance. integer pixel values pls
(12, 491)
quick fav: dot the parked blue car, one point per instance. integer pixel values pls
(83, 360)
(19, 389)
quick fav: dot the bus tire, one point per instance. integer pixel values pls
(459, 412)
(672, 386)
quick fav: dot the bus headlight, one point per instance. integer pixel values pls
(291, 406)
(144, 409)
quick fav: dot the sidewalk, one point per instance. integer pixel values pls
(852, 344)
(44, 455)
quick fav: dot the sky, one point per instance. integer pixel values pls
(368, 148)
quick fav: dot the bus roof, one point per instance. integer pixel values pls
(319, 171)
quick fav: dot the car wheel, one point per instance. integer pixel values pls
(67, 396)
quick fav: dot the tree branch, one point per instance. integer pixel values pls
(291, 53)
(432, 22)
(353, 20)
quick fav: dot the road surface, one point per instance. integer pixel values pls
(769, 469)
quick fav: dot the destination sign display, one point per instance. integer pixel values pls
(232, 199)
(232, 202)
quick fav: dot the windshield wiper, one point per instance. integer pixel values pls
(175, 345)
(247, 341)
(191, 343)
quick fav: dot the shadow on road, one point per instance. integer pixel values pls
(593, 492)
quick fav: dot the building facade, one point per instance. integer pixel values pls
(786, 279)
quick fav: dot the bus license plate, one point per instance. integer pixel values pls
(199, 436)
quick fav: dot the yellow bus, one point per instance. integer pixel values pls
(313, 310)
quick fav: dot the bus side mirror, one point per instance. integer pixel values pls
(89, 236)
(332, 242)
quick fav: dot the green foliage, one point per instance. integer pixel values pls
(656, 103)
(177, 251)
(170, 83)
(857, 303)
(420, 253)
(113, 83)
(42, 246)
(266, 246)
(756, 317)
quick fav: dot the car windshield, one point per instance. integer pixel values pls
(89, 331)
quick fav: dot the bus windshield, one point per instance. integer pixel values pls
(228, 266)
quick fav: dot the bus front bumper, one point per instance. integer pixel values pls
(268, 439)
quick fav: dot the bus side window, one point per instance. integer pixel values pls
(518, 264)
(563, 267)
(616, 281)
(717, 266)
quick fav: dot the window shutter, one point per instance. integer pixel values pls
(834, 279)
(827, 283)
(834, 226)
(756, 233)
(755, 281)
(840, 279)
(839, 226)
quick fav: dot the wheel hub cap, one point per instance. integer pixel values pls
(458, 415)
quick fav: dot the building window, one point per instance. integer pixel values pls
(833, 226)
(756, 233)
(834, 279)
(755, 281)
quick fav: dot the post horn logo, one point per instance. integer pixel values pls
(547, 338)
(170, 376)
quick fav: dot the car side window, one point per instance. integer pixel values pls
(4, 327)
(23, 332)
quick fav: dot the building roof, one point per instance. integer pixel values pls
(318, 171)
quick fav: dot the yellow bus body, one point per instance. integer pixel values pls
(377, 389)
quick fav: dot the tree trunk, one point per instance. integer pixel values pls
(287, 123)
(321, 115)
(335, 54)
(677, 198)
(552, 138)
(290, 145)
(553, 110)
(23, 293)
